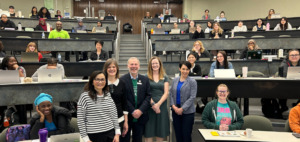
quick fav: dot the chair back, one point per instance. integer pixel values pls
(255, 74)
(258, 123)
(73, 124)
(287, 126)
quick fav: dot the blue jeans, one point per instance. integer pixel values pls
(183, 126)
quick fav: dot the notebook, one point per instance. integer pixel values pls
(49, 75)
(9, 76)
(30, 57)
(293, 73)
(224, 73)
(73, 137)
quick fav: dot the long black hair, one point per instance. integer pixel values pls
(225, 60)
(32, 10)
(5, 61)
(89, 87)
(40, 14)
(285, 26)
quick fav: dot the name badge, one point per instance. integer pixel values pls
(139, 83)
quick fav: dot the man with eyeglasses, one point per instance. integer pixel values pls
(5, 23)
(138, 100)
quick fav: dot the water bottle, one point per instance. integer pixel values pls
(19, 27)
(268, 26)
(232, 34)
(48, 27)
(43, 35)
(73, 30)
(151, 31)
(59, 57)
(218, 19)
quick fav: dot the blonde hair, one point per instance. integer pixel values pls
(255, 45)
(199, 25)
(161, 69)
(222, 85)
(219, 31)
(31, 44)
(201, 46)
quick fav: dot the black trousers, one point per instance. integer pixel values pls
(107, 136)
(137, 132)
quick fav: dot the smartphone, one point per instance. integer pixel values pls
(296, 135)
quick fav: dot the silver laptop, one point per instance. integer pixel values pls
(49, 75)
(159, 31)
(175, 31)
(65, 138)
(224, 73)
(29, 57)
(81, 31)
(1, 58)
(173, 19)
(100, 29)
(293, 73)
(9, 76)
(275, 16)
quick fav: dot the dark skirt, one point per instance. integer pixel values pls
(107, 136)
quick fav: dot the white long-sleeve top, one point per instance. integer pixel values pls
(240, 29)
(277, 28)
(96, 116)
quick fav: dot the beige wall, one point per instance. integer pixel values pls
(26, 5)
(241, 9)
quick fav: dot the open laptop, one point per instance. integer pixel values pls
(29, 57)
(254, 54)
(159, 31)
(100, 29)
(81, 31)
(49, 75)
(173, 19)
(1, 58)
(293, 73)
(9, 76)
(175, 31)
(65, 138)
(275, 16)
(224, 73)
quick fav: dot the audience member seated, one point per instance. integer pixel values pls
(109, 17)
(44, 13)
(199, 33)
(11, 63)
(2, 52)
(161, 17)
(58, 14)
(59, 33)
(199, 50)
(34, 13)
(294, 119)
(148, 16)
(99, 24)
(208, 27)
(185, 18)
(103, 125)
(52, 63)
(156, 19)
(251, 46)
(31, 47)
(195, 68)
(220, 63)
(12, 11)
(283, 25)
(191, 28)
(5, 23)
(54, 118)
(206, 15)
(260, 26)
(240, 27)
(221, 113)
(222, 16)
(42, 26)
(167, 15)
(99, 54)
(80, 26)
(271, 12)
(217, 31)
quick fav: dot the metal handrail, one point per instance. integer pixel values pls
(117, 43)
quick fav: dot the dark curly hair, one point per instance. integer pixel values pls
(89, 87)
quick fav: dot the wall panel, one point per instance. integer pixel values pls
(128, 11)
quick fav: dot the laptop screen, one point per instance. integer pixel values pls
(254, 54)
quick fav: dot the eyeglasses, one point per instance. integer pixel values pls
(99, 79)
(294, 55)
(222, 92)
(219, 56)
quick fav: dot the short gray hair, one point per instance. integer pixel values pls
(3, 14)
(133, 58)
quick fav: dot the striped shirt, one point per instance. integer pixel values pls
(96, 117)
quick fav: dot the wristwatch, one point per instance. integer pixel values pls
(152, 103)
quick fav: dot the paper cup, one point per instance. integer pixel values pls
(249, 132)
(245, 71)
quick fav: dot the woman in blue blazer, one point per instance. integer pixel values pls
(183, 93)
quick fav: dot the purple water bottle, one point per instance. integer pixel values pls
(43, 134)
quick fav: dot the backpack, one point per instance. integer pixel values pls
(18, 133)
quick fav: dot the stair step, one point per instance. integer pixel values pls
(131, 45)
(142, 59)
(132, 55)
(125, 51)
(131, 41)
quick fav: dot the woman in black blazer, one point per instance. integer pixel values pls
(195, 69)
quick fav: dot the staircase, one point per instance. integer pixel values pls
(131, 46)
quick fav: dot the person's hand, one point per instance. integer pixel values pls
(42, 118)
(179, 111)
(217, 35)
(116, 138)
(137, 114)
(223, 127)
(125, 129)
(156, 108)
(89, 141)
(250, 47)
(15, 66)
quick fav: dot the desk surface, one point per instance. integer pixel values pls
(257, 136)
